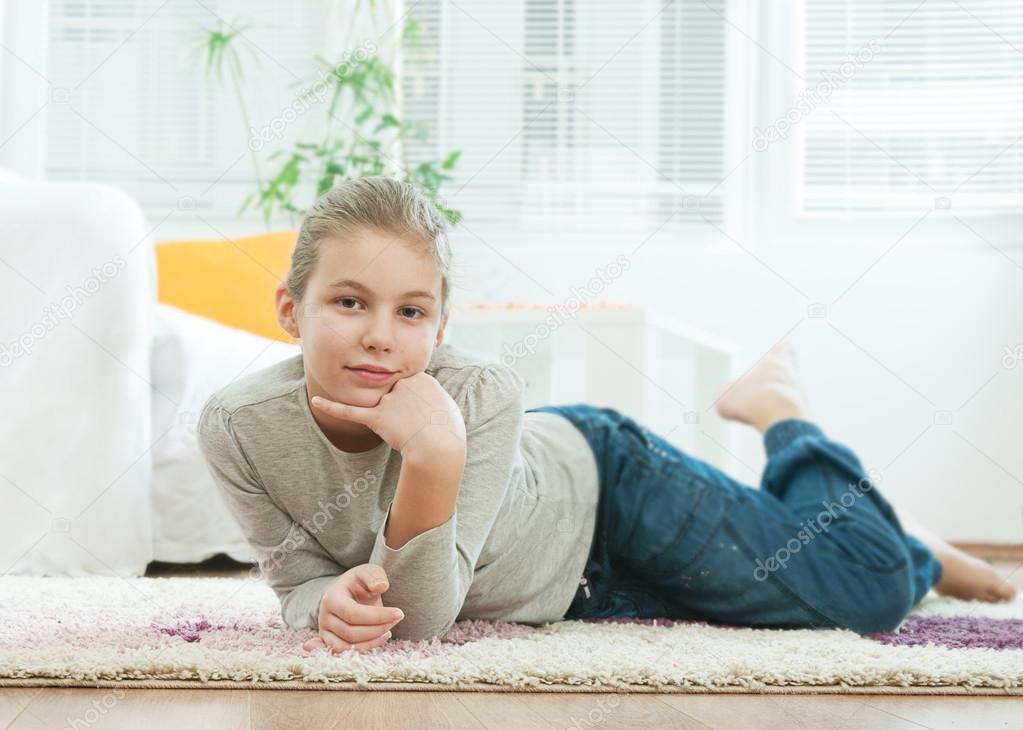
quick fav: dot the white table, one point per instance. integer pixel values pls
(661, 372)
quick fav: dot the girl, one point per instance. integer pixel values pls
(392, 484)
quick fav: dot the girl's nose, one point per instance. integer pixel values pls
(378, 336)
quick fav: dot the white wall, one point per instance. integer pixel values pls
(924, 331)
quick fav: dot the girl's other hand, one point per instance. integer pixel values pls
(352, 613)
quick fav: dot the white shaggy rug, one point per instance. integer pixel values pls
(227, 632)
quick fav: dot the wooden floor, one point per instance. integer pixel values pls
(81, 708)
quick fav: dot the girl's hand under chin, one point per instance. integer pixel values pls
(416, 417)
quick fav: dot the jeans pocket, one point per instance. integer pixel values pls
(682, 527)
(637, 600)
(871, 548)
(638, 445)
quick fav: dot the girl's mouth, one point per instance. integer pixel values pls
(369, 375)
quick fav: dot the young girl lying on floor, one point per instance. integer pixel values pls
(392, 484)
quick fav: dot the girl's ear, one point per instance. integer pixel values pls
(440, 333)
(287, 315)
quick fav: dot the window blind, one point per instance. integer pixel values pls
(133, 106)
(934, 117)
(572, 116)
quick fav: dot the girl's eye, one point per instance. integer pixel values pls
(410, 312)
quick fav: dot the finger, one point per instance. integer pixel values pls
(334, 642)
(372, 577)
(367, 645)
(353, 633)
(374, 643)
(359, 614)
(314, 644)
(344, 410)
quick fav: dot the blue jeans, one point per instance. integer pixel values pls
(817, 546)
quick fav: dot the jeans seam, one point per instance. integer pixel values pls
(640, 595)
(816, 454)
(682, 530)
(635, 437)
(778, 582)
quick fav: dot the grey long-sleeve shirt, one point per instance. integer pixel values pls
(514, 549)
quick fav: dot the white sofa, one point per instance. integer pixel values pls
(192, 357)
(76, 286)
(101, 385)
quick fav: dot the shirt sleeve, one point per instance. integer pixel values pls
(430, 575)
(294, 564)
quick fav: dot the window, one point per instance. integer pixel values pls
(573, 116)
(131, 103)
(925, 108)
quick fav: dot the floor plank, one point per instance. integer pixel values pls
(953, 713)
(13, 701)
(608, 711)
(424, 710)
(775, 712)
(503, 710)
(101, 708)
(271, 709)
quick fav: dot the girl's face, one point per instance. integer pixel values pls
(372, 299)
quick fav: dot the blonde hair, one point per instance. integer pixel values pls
(380, 203)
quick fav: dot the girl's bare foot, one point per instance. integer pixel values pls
(768, 393)
(970, 578)
(963, 576)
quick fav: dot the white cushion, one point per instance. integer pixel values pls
(192, 357)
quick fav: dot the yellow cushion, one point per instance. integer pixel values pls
(232, 282)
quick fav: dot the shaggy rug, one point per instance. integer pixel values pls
(227, 632)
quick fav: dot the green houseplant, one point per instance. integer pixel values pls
(363, 133)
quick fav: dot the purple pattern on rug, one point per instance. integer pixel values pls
(262, 631)
(957, 632)
(250, 636)
(191, 631)
(665, 622)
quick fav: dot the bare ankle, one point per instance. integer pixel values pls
(764, 421)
